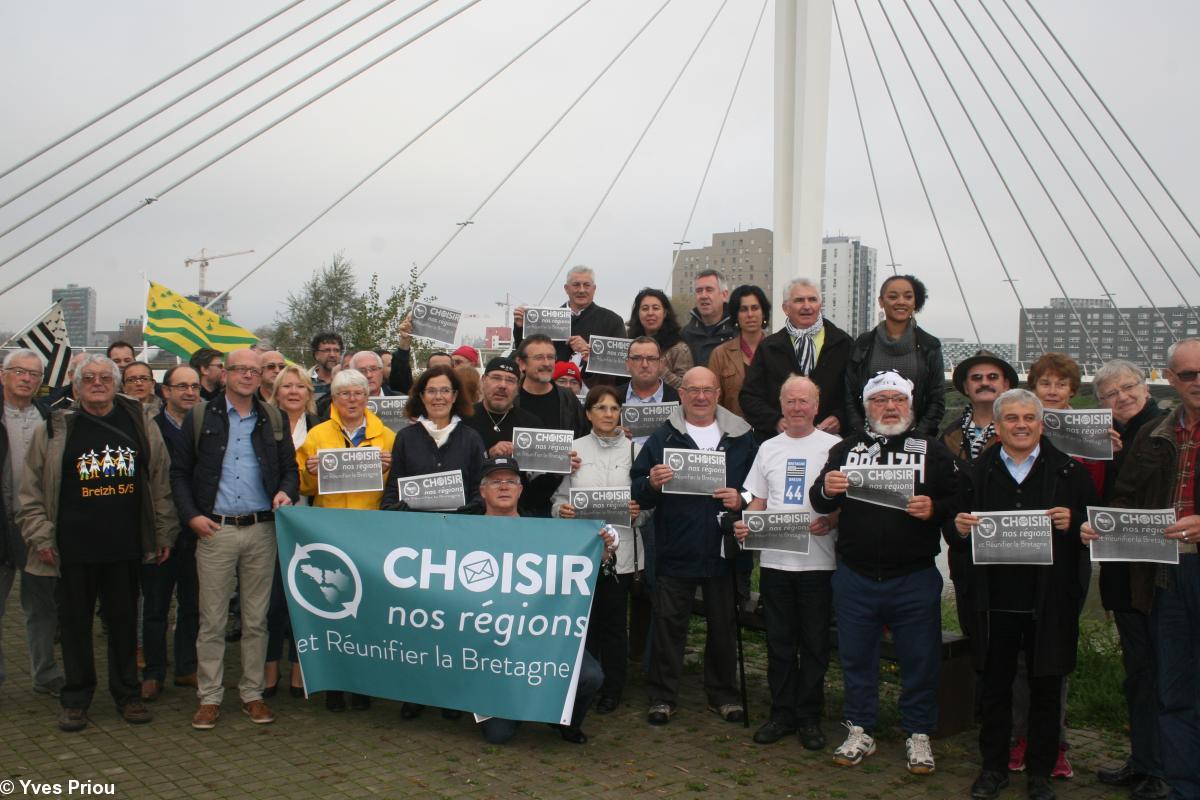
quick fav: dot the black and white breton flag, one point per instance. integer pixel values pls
(48, 336)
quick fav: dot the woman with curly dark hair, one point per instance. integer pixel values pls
(653, 316)
(899, 344)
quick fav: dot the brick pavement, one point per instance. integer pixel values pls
(309, 752)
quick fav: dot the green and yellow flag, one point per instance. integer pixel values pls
(182, 327)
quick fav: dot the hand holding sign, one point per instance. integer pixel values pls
(836, 482)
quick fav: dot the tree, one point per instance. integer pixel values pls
(330, 301)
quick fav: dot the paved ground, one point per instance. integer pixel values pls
(309, 752)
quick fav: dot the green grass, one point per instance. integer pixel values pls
(1096, 698)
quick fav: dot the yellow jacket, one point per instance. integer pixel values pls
(329, 435)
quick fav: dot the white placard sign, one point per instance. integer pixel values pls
(435, 491)
(609, 505)
(552, 322)
(341, 470)
(777, 530)
(540, 450)
(1080, 432)
(435, 322)
(888, 485)
(695, 471)
(643, 419)
(1133, 534)
(390, 411)
(1012, 537)
(607, 355)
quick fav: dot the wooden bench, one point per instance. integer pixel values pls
(956, 683)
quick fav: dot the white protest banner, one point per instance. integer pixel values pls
(341, 470)
(695, 471)
(552, 322)
(607, 355)
(435, 322)
(435, 491)
(1012, 537)
(1133, 534)
(1080, 432)
(883, 485)
(777, 530)
(539, 450)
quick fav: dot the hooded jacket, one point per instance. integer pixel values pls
(41, 485)
(879, 542)
(687, 531)
(328, 434)
(703, 338)
(929, 387)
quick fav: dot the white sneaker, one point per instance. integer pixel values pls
(858, 745)
(920, 754)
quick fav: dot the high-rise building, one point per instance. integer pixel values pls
(1059, 331)
(848, 283)
(79, 311)
(741, 256)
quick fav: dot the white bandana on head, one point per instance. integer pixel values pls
(890, 381)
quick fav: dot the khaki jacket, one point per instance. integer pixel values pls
(41, 484)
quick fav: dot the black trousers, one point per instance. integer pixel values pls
(798, 607)
(1008, 634)
(608, 631)
(1141, 690)
(116, 586)
(673, 599)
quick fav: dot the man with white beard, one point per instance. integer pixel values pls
(885, 574)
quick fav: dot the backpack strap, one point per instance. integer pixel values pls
(276, 420)
(198, 423)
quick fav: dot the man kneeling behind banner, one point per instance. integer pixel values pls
(485, 614)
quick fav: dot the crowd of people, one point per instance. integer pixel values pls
(140, 494)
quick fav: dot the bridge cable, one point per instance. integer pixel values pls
(397, 153)
(460, 227)
(629, 157)
(176, 128)
(175, 184)
(177, 71)
(168, 105)
(920, 177)
(1084, 152)
(1111, 116)
(995, 166)
(1029, 163)
(862, 128)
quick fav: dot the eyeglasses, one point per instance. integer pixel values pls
(214, 365)
(89, 377)
(21, 372)
(352, 394)
(890, 399)
(183, 387)
(1126, 389)
(979, 376)
(506, 482)
(1186, 376)
(700, 391)
(242, 369)
(438, 391)
(275, 365)
(327, 351)
(644, 359)
(370, 370)
(139, 379)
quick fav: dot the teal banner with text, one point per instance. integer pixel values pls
(487, 615)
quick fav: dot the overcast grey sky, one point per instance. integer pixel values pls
(66, 61)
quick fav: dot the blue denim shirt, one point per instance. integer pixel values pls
(1020, 471)
(240, 490)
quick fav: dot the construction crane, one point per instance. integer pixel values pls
(202, 263)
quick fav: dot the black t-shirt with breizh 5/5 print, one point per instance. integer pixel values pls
(99, 506)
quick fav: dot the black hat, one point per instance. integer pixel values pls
(500, 464)
(983, 357)
(504, 364)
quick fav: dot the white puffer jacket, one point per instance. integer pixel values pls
(606, 463)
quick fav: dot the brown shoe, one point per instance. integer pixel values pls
(186, 680)
(205, 718)
(135, 713)
(151, 689)
(258, 712)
